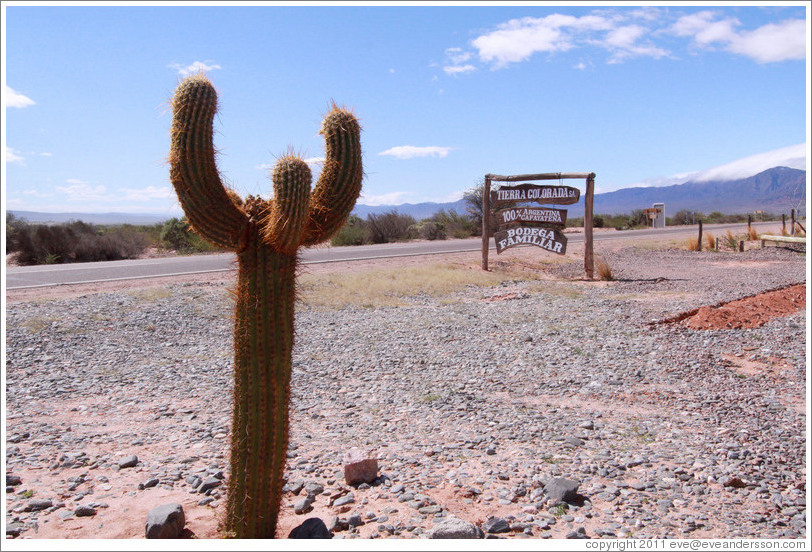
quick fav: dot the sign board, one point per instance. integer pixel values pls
(558, 195)
(546, 238)
(541, 216)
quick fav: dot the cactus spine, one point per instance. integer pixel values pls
(266, 235)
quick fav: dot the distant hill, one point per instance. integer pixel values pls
(775, 190)
(418, 210)
(34, 217)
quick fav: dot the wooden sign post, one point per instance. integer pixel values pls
(535, 226)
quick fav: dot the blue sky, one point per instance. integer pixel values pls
(445, 93)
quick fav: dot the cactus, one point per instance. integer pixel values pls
(266, 235)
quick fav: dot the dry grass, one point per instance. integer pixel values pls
(692, 244)
(730, 241)
(394, 286)
(710, 240)
(752, 235)
(604, 270)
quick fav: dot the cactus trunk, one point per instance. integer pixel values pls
(267, 236)
(263, 343)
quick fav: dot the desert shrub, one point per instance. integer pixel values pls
(76, 242)
(390, 227)
(752, 234)
(604, 270)
(14, 226)
(692, 244)
(731, 241)
(597, 221)
(710, 240)
(429, 230)
(354, 232)
(178, 234)
(458, 225)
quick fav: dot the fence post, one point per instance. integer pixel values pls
(699, 247)
(792, 232)
(589, 264)
(749, 222)
(486, 220)
(741, 246)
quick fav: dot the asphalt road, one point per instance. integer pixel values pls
(53, 275)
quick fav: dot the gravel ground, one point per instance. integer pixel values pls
(472, 403)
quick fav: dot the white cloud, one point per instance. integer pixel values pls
(12, 98)
(148, 193)
(626, 34)
(82, 191)
(194, 68)
(14, 156)
(456, 69)
(309, 160)
(624, 42)
(769, 43)
(792, 156)
(409, 152)
(314, 161)
(394, 198)
(46, 154)
(773, 43)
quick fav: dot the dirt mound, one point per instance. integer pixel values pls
(750, 312)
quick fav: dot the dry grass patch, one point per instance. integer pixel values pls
(392, 286)
(604, 270)
(710, 240)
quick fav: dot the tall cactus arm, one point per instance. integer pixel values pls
(339, 185)
(193, 169)
(287, 216)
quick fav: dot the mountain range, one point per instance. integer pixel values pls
(776, 190)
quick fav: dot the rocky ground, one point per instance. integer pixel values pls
(471, 402)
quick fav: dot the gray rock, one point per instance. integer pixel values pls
(560, 489)
(84, 511)
(454, 528)
(312, 528)
(430, 510)
(38, 504)
(13, 480)
(128, 462)
(209, 483)
(346, 499)
(165, 522)
(496, 525)
(153, 481)
(304, 505)
(579, 533)
(355, 520)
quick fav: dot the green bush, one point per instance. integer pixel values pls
(429, 230)
(354, 232)
(457, 225)
(177, 234)
(390, 227)
(75, 242)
